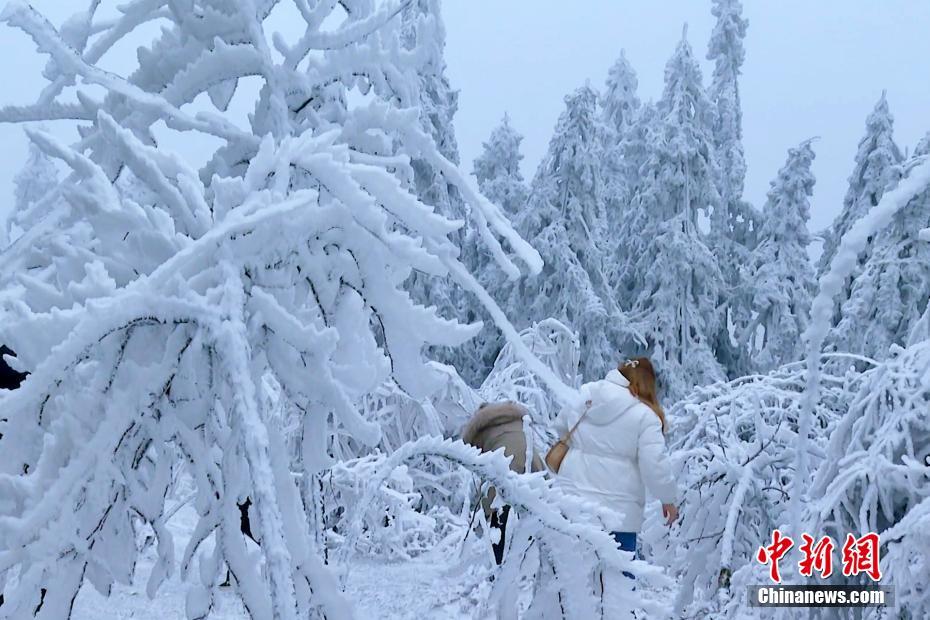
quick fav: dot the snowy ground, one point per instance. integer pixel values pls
(432, 585)
(415, 589)
(429, 586)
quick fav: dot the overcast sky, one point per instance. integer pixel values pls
(812, 69)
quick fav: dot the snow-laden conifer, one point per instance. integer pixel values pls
(727, 52)
(876, 170)
(734, 222)
(780, 268)
(436, 106)
(497, 170)
(675, 277)
(891, 291)
(565, 220)
(35, 180)
(619, 101)
(620, 134)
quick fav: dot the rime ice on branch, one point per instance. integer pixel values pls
(152, 302)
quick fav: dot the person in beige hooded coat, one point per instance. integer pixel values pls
(492, 427)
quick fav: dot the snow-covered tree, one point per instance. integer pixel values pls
(157, 307)
(733, 445)
(620, 108)
(437, 105)
(867, 481)
(627, 176)
(876, 170)
(780, 267)
(727, 52)
(676, 279)
(734, 222)
(564, 219)
(619, 101)
(497, 170)
(686, 142)
(893, 287)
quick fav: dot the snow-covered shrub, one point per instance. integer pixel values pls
(876, 474)
(734, 449)
(558, 540)
(556, 346)
(415, 509)
(152, 302)
(396, 523)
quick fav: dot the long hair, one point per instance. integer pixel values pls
(642, 377)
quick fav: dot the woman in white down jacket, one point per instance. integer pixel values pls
(617, 452)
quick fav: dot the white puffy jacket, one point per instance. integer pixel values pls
(616, 453)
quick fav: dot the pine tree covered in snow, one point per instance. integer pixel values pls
(565, 221)
(625, 219)
(727, 52)
(873, 478)
(497, 170)
(437, 104)
(676, 278)
(619, 102)
(621, 134)
(780, 266)
(891, 292)
(876, 170)
(169, 304)
(734, 223)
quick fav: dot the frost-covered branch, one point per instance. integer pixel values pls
(852, 244)
(240, 322)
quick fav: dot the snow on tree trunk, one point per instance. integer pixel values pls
(155, 303)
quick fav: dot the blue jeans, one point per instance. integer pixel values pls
(626, 541)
